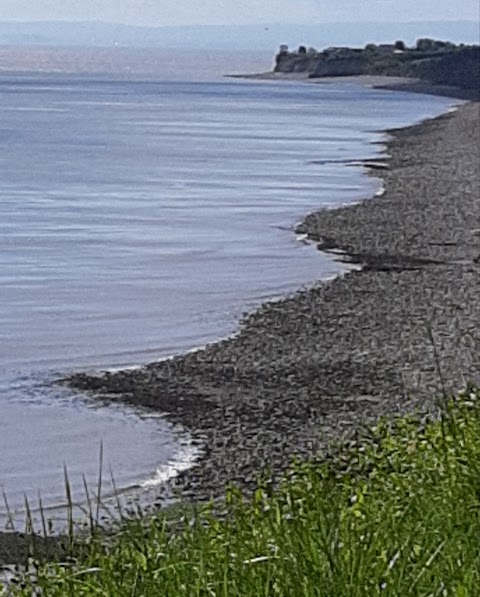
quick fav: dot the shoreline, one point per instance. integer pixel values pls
(312, 367)
(384, 82)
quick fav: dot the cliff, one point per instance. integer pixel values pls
(437, 62)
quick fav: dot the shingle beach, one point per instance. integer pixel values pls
(383, 339)
(386, 338)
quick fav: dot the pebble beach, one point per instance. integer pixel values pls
(391, 336)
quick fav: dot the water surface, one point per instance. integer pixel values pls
(139, 217)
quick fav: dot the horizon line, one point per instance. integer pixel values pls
(255, 24)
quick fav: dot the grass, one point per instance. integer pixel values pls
(394, 514)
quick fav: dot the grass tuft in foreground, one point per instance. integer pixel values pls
(396, 514)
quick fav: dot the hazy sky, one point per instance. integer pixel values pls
(193, 12)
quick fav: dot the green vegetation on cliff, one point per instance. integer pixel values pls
(437, 62)
(396, 512)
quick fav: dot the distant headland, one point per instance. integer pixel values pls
(435, 62)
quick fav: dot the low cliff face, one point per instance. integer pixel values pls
(460, 68)
(321, 64)
(444, 64)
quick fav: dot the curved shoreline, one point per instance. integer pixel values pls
(314, 366)
(388, 83)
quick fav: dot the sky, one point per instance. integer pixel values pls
(223, 12)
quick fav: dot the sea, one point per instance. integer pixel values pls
(147, 202)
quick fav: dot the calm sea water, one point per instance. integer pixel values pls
(139, 217)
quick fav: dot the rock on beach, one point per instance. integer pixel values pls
(387, 338)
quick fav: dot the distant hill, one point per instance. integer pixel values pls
(256, 37)
(437, 62)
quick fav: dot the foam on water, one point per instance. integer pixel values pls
(182, 462)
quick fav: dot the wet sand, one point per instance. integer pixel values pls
(387, 338)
